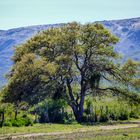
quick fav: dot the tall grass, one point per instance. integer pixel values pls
(109, 108)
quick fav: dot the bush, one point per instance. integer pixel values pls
(28, 122)
(19, 122)
(69, 118)
(106, 109)
(52, 111)
(8, 123)
(124, 115)
(104, 118)
(134, 114)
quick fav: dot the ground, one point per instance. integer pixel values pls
(116, 131)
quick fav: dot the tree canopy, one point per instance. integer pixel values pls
(70, 62)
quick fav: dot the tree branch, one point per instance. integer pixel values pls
(70, 90)
(76, 62)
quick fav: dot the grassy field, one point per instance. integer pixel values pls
(120, 134)
(74, 131)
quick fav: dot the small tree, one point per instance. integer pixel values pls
(4, 108)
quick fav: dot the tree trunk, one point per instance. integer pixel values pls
(77, 107)
(80, 107)
(2, 118)
(79, 116)
(16, 113)
(78, 111)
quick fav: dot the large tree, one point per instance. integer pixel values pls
(71, 60)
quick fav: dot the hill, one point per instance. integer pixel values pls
(128, 30)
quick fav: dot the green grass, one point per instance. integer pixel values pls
(43, 128)
(93, 132)
(121, 134)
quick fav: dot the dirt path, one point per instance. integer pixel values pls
(105, 127)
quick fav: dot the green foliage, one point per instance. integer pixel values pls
(8, 123)
(52, 111)
(19, 122)
(107, 109)
(27, 79)
(135, 112)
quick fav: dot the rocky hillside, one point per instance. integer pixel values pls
(128, 30)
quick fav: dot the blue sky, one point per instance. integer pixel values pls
(17, 13)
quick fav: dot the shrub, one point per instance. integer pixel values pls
(19, 122)
(69, 118)
(103, 118)
(134, 114)
(28, 122)
(8, 123)
(106, 109)
(124, 115)
(52, 111)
